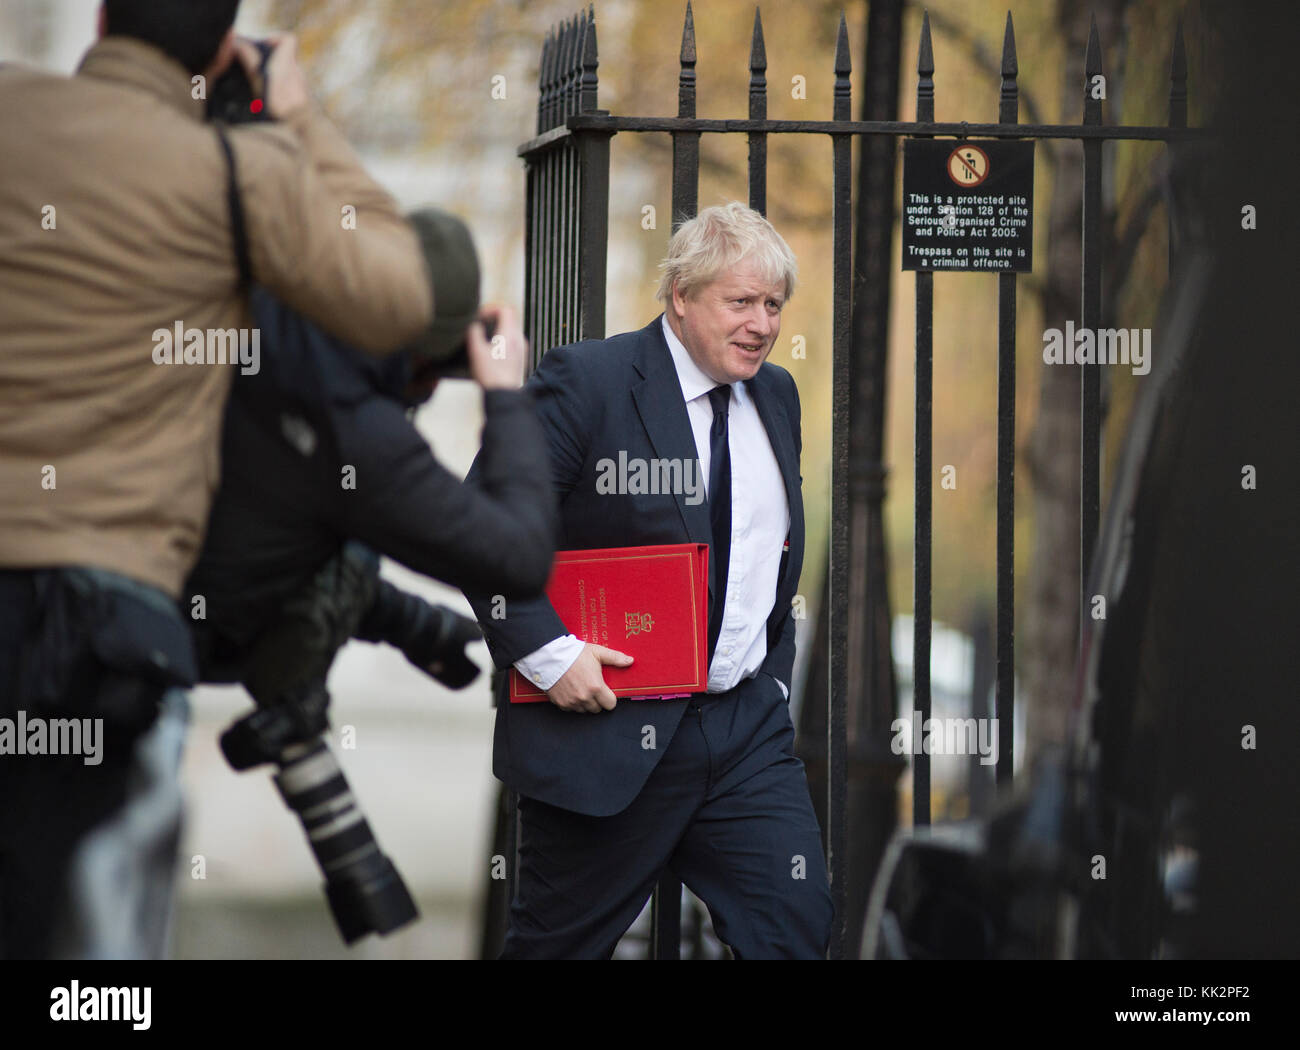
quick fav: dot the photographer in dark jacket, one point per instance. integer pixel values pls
(318, 449)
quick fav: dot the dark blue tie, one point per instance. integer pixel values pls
(719, 507)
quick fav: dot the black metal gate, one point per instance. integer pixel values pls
(566, 226)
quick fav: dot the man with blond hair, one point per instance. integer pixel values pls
(719, 799)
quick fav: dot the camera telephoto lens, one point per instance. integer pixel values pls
(365, 892)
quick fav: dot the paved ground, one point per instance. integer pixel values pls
(301, 928)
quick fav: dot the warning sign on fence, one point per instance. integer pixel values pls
(968, 205)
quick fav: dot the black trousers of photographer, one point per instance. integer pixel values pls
(726, 809)
(50, 804)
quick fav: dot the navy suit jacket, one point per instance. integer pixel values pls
(595, 399)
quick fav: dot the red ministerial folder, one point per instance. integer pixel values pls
(649, 602)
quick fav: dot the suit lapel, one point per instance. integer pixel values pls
(777, 424)
(658, 399)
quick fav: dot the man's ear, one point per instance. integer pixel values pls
(679, 301)
(225, 55)
(103, 21)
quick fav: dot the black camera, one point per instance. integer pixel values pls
(232, 99)
(286, 675)
(455, 365)
(365, 892)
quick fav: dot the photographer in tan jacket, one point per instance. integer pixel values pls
(116, 243)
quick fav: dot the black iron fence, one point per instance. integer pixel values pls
(566, 251)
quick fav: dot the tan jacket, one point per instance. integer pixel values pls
(113, 226)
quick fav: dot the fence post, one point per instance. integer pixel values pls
(1090, 307)
(593, 200)
(873, 769)
(1004, 690)
(758, 111)
(841, 384)
(666, 902)
(922, 437)
(686, 144)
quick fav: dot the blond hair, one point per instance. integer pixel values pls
(717, 239)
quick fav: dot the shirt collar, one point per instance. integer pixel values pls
(125, 60)
(693, 381)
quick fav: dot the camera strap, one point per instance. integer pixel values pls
(236, 206)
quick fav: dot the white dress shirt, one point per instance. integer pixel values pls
(760, 522)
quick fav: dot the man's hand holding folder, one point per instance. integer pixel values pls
(582, 687)
(651, 600)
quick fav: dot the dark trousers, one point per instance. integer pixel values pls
(48, 803)
(726, 810)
